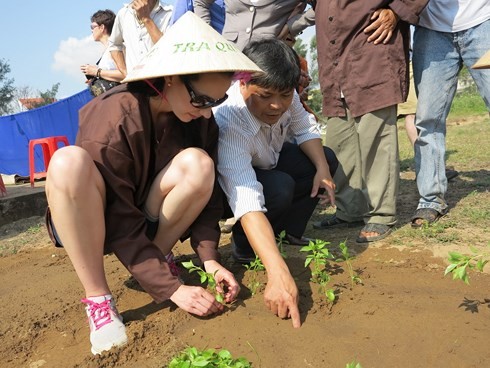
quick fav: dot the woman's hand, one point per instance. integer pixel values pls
(226, 283)
(89, 70)
(196, 300)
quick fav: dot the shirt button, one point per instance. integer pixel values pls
(251, 8)
(248, 30)
(332, 42)
(335, 63)
(330, 18)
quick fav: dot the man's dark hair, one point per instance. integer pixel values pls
(105, 17)
(278, 61)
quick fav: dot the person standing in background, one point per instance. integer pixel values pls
(363, 59)
(138, 26)
(105, 68)
(247, 20)
(451, 33)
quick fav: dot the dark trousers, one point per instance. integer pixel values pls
(287, 190)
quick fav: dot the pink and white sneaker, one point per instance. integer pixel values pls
(106, 327)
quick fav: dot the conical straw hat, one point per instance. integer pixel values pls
(483, 62)
(190, 46)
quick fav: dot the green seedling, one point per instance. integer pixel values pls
(254, 285)
(280, 243)
(318, 256)
(193, 358)
(353, 364)
(205, 277)
(461, 263)
(347, 258)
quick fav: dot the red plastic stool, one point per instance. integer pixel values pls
(3, 190)
(49, 146)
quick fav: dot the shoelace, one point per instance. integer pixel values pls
(100, 313)
(172, 265)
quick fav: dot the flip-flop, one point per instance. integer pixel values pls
(382, 229)
(427, 215)
(334, 222)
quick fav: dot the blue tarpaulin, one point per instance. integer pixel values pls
(59, 118)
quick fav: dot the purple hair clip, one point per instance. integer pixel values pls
(243, 76)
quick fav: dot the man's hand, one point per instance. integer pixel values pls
(142, 9)
(281, 293)
(325, 181)
(281, 297)
(224, 278)
(196, 300)
(384, 24)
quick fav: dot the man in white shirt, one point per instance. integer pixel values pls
(450, 34)
(138, 26)
(272, 166)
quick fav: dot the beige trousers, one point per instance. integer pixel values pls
(367, 178)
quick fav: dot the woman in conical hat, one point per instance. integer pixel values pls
(141, 176)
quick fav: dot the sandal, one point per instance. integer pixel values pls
(334, 222)
(427, 215)
(381, 229)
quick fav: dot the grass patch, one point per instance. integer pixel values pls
(475, 209)
(462, 135)
(467, 102)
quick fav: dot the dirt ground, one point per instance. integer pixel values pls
(405, 314)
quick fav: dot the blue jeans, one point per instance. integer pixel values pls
(437, 60)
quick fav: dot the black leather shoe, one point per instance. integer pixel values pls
(241, 256)
(292, 240)
(451, 174)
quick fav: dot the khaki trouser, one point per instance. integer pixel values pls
(368, 174)
(410, 105)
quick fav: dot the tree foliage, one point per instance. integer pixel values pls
(47, 97)
(300, 47)
(6, 88)
(315, 95)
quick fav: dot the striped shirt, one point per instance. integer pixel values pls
(246, 143)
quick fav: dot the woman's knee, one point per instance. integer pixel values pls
(198, 168)
(69, 167)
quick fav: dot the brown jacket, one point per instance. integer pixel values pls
(116, 130)
(370, 76)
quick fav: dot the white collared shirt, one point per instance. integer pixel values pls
(132, 37)
(246, 143)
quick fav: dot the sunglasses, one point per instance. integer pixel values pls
(202, 101)
(93, 26)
